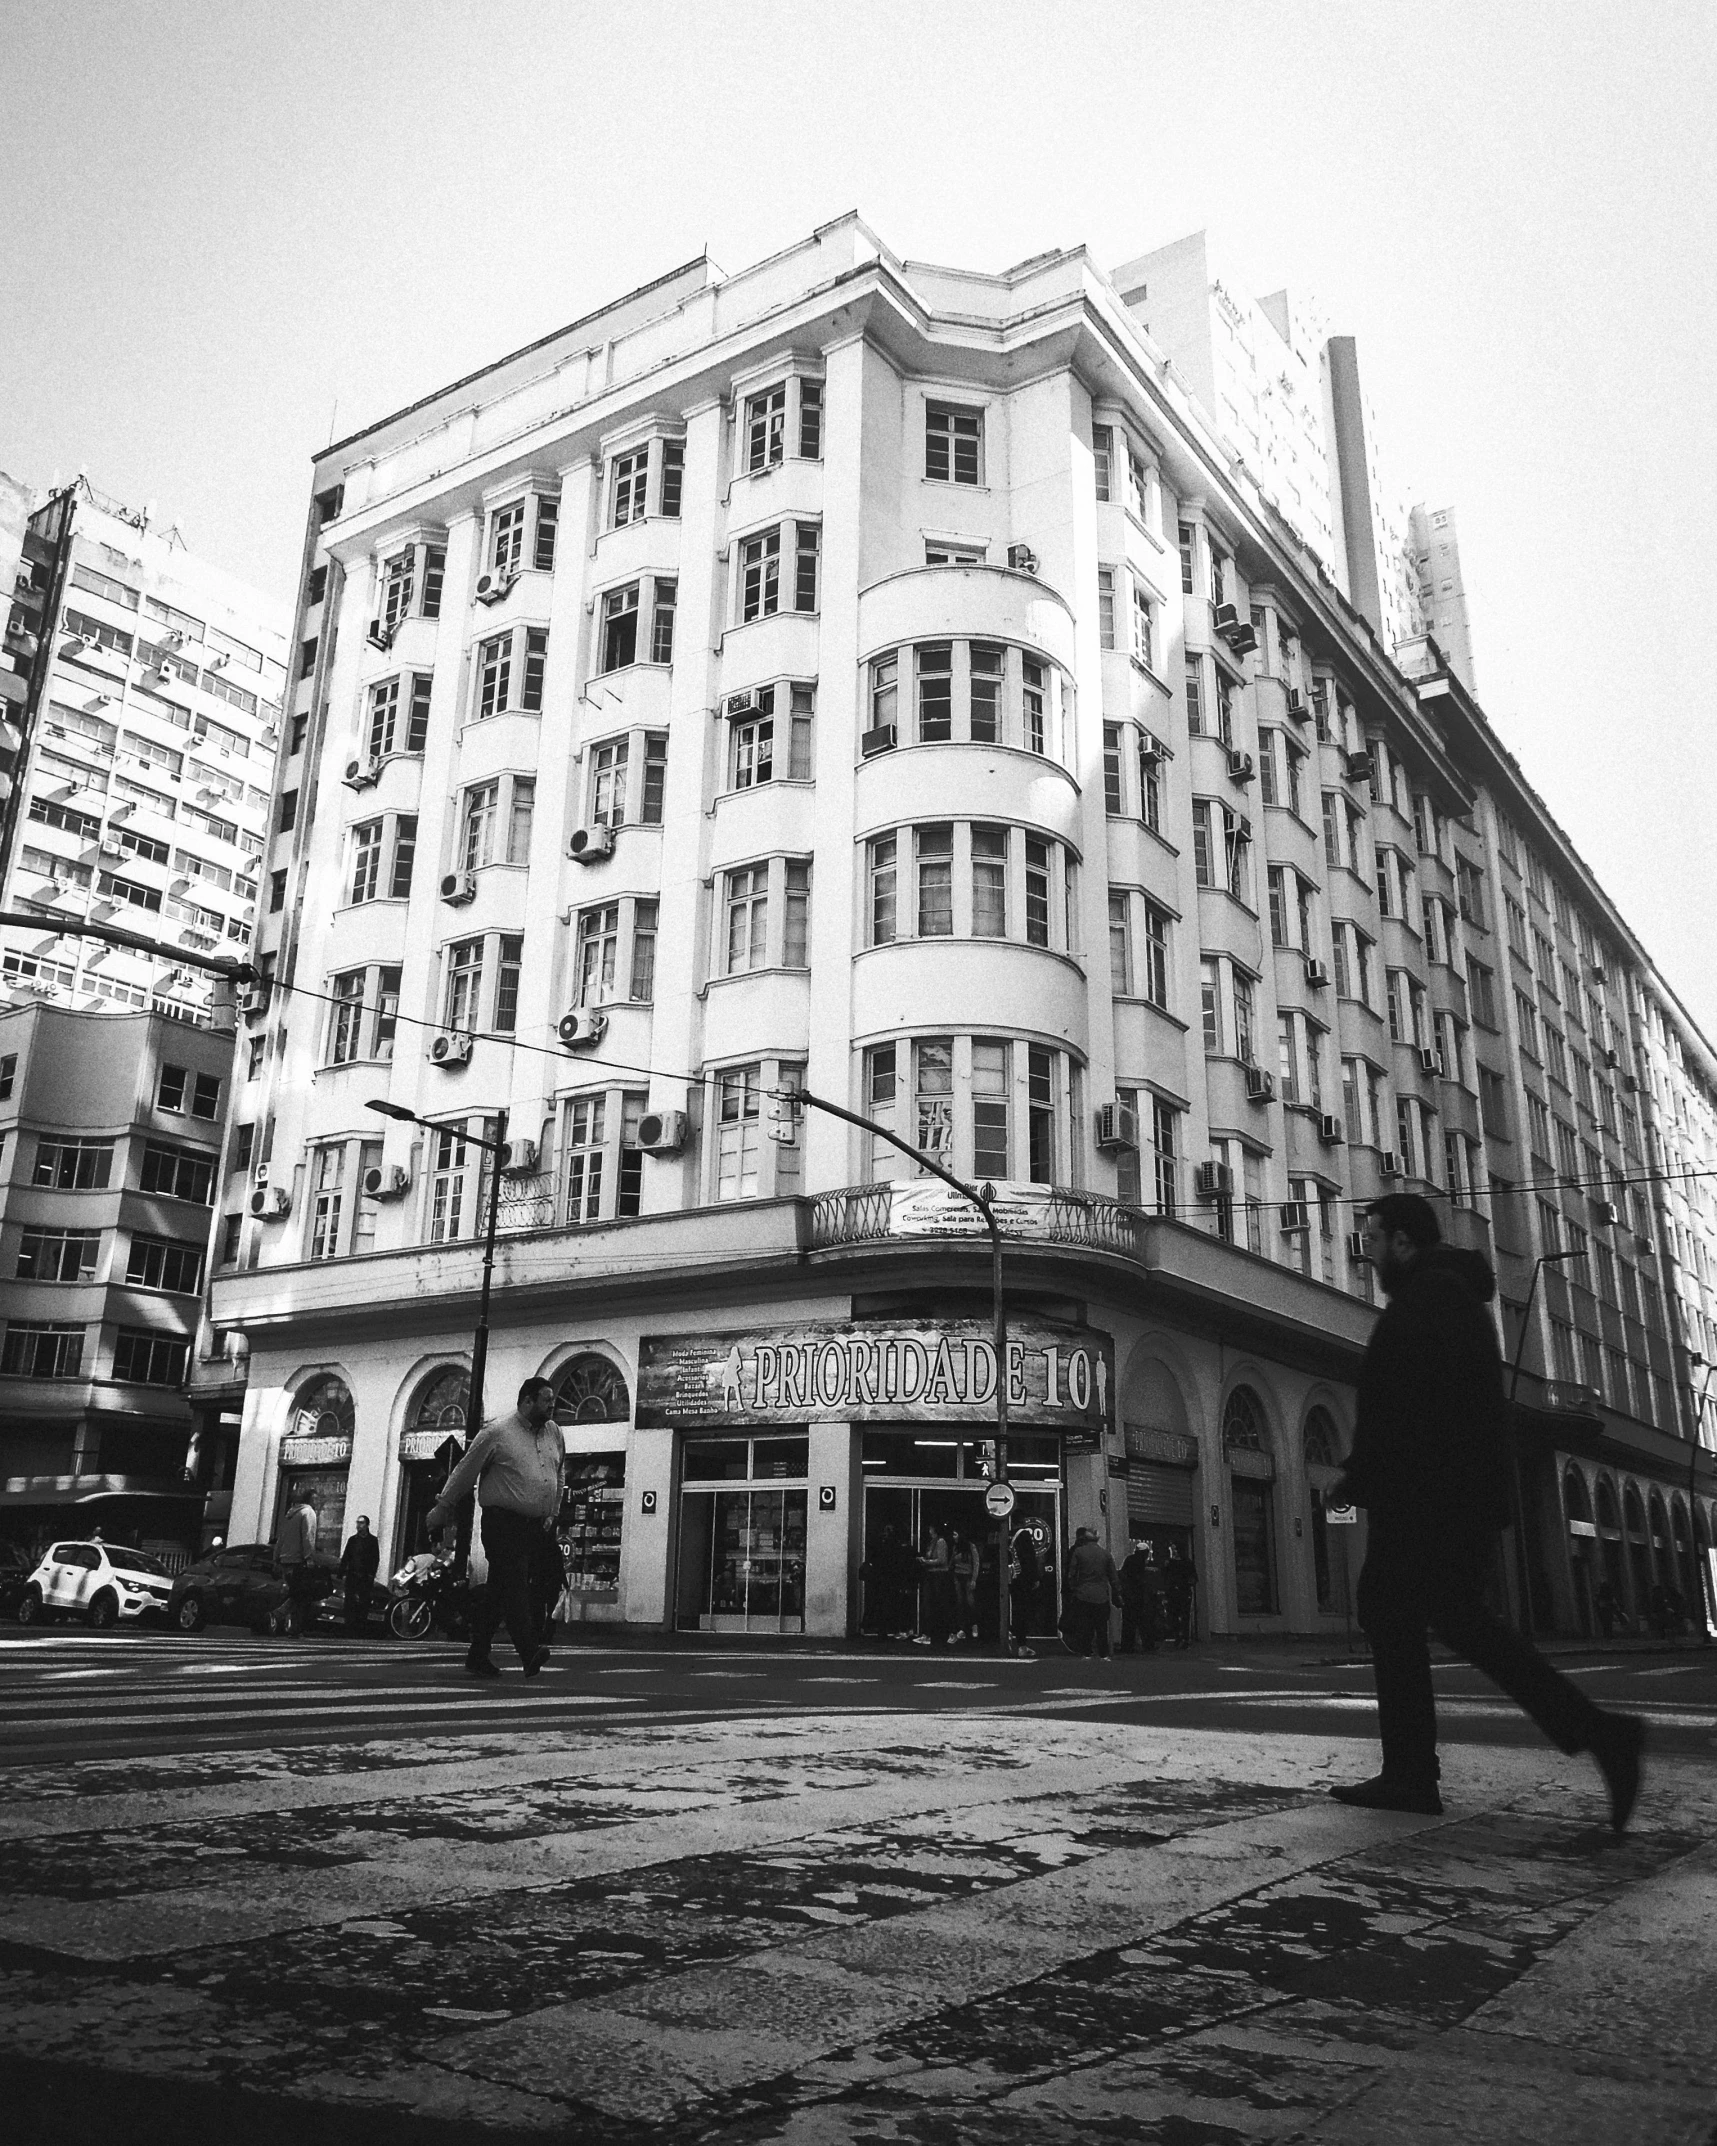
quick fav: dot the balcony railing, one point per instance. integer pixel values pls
(861, 1214)
(526, 1202)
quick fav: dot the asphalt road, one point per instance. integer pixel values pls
(71, 1695)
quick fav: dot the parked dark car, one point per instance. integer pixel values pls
(16, 1565)
(243, 1585)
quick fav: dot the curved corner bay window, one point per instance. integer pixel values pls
(742, 1535)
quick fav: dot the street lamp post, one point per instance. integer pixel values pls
(984, 1201)
(480, 1340)
(1545, 1259)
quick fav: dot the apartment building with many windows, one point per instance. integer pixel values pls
(881, 680)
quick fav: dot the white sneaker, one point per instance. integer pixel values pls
(923, 1640)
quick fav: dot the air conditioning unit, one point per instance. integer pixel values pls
(1224, 619)
(1239, 766)
(1427, 1059)
(883, 739)
(662, 1132)
(518, 1156)
(1329, 1130)
(739, 704)
(1240, 635)
(1022, 558)
(1150, 750)
(1297, 705)
(1645, 1248)
(254, 1002)
(269, 1203)
(457, 888)
(1389, 1163)
(388, 1184)
(1630, 1084)
(583, 1025)
(114, 852)
(1356, 1248)
(451, 1048)
(1357, 767)
(1317, 976)
(1598, 976)
(585, 845)
(360, 774)
(1117, 1126)
(1606, 1213)
(494, 585)
(1296, 1215)
(1612, 1058)
(1212, 1181)
(380, 636)
(1260, 1086)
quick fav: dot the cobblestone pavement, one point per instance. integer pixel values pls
(902, 1927)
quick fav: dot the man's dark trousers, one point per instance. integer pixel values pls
(509, 1539)
(1411, 1588)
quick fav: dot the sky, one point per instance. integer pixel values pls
(235, 232)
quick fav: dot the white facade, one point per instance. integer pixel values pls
(1442, 592)
(878, 679)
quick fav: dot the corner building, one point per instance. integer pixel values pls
(876, 678)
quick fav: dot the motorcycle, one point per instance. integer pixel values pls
(429, 1592)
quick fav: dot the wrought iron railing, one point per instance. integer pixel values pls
(859, 1214)
(526, 1202)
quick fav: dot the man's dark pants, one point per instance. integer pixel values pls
(359, 1594)
(1138, 1623)
(1410, 1588)
(1088, 1627)
(509, 1541)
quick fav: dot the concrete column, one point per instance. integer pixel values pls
(646, 1537)
(831, 1530)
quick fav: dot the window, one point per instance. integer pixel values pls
(1036, 891)
(673, 473)
(1106, 606)
(232, 1229)
(404, 851)
(1481, 982)
(1526, 1014)
(1033, 704)
(662, 621)
(1195, 695)
(1184, 540)
(507, 538)
(628, 484)
(366, 862)
(1244, 1019)
(986, 692)
(933, 1090)
(1040, 1114)
(327, 1199)
(1102, 448)
(464, 980)
(536, 663)
(178, 1173)
(766, 428)
(747, 918)
(522, 806)
(990, 1086)
(760, 576)
(477, 829)
(507, 973)
(642, 988)
(595, 950)
(810, 420)
(1237, 845)
(655, 776)
(620, 628)
(1138, 487)
(796, 922)
(345, 1017)
(585, 1141)
(751, 744)
(494, 674)
(880, 874)
(1210, 1004)
(738, 1145)
(455, 1202)
(1150, 784)
(1120, 944)
(884, 689)
(8, 1074)
(933, 851)
(548, 520)
(934, 664)
(1144, 642)
(58, 1255)
(608, 783)
(953, 444)
(1202, 860)
(42, 1350)
(806, 540)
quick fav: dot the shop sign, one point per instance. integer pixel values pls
(1341, 1516)
(1583, 1527)
(1059, 1378)
(1171, 1448)
(315, 1452)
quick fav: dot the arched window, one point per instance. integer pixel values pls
(591, 1390)
(442, 1401)
(1243, 1423)
(1323, 1444)
(324, 1409)
(1574, 1496)
(1608, 1517)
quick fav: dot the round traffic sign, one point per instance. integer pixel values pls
(999, 1500)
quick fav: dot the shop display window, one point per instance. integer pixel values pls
(742, 1546)
(592, 1512)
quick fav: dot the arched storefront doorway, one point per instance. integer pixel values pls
(1612, 1599)
(1686, 1571)
(590, 1394)
(316, 1457)
(1252, 1500)
(1662, 1568)
(1162, 1461)
(1639, 1557)
(1582, 1548)
(1331, 1579)
(429, 1442)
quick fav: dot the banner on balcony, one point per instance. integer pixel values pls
(920, 1207)
(1059, 1378)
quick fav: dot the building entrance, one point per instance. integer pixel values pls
(898, 1522)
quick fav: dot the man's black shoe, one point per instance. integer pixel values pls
(1382, 1794)
(479, 1665)
(1617, 1746)
(534, 1662)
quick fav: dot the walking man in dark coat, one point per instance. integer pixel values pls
(358, 1561)
(1430, 1465)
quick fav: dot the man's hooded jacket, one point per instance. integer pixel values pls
(1431, 1444)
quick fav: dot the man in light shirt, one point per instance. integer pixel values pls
(520, 1461)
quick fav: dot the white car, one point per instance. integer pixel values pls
(103, 1583)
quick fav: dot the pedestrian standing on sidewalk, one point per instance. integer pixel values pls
(936, 1590)
(520, 1461)
(1180, 1590)
(358, 1561)
(1093, 1588)
(1024, 1580)
(965, 1568)
(1430, 1465)
(1139, 1600)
